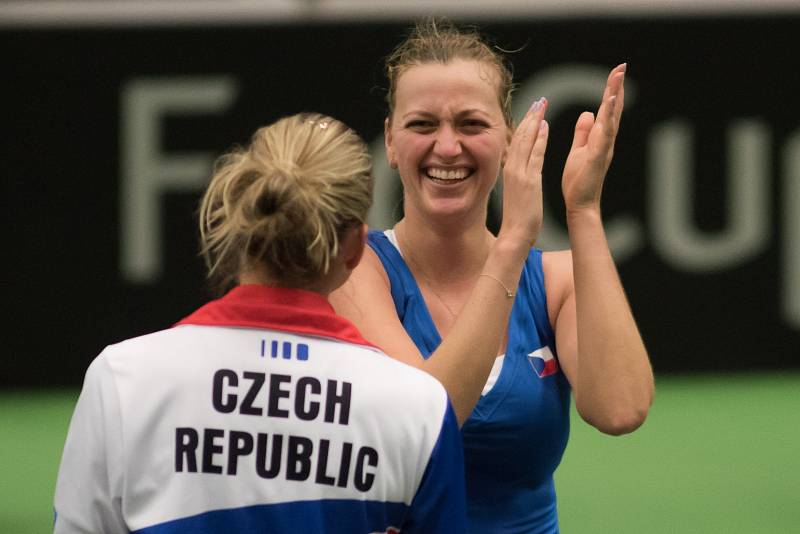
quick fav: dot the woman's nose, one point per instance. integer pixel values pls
(448, 143)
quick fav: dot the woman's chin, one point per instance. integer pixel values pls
(450, 207)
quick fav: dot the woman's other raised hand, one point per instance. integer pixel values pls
(593, 147)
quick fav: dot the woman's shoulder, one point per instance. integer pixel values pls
(370, 269)
(551, 267)
(557, 260)
(558, 280)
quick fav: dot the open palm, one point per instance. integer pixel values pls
(593, 147)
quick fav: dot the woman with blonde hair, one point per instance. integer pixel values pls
(264, 411)
(509, 330)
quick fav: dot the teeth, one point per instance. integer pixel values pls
(444, 174)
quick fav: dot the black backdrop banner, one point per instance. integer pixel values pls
(109, 135)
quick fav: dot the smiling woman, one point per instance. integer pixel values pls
(446, 137)
(495, 320)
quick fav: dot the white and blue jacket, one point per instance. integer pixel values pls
(263, 411)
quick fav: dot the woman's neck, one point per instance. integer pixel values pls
(451, 251)
(323, 287)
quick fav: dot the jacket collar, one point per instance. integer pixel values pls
(276, 308)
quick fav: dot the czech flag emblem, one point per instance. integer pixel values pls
(543, 362)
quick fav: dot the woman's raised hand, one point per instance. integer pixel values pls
(522, 177)
(593, 147)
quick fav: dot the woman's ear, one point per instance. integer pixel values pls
(355, 239)
(387, 142)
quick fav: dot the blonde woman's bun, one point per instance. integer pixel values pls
(281, 203)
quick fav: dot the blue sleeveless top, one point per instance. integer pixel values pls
(517, 433)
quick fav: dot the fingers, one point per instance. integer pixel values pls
(522, 176)
(526, 135)
(600, 132)
(615, 81)
(608, 114)
(610, 111)
(620, 102)
(539, 147)
(583, 127)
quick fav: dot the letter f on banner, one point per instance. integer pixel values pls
(147, 172)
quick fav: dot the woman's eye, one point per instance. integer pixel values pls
(420, 125)
(473, 126)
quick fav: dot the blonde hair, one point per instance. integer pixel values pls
(437, 40)
(282, 203)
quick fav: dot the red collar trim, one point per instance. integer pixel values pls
(276, 308)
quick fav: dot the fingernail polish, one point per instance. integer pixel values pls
(542, 125)
(537, 105)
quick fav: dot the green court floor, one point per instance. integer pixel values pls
(718, 454)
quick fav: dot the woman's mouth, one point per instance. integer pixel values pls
(448, 176)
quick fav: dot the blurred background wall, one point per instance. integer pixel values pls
(113, 113)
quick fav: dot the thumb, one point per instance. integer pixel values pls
(582, 129)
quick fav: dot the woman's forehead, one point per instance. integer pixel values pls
(471, 83)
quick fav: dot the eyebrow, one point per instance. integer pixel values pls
(459, 114)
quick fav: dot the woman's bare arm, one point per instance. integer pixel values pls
(599, 344)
